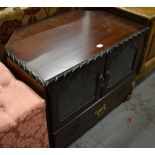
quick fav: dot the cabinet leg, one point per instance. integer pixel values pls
(133, 85)
(128, 97)
(130, 94)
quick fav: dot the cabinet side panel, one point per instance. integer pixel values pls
(23, 76)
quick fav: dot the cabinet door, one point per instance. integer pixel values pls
(75, 92)
(120, 63)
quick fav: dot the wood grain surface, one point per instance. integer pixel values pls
(53, 46)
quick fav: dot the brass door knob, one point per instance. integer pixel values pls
(101, 80)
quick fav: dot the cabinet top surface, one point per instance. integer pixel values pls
(53, 46)
(146, 12)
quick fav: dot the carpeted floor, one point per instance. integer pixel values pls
(130, 125)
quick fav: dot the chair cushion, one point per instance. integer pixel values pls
(5, 75)
(22, 114)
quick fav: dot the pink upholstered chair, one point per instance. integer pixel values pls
(22, 114)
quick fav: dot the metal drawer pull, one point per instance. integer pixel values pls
(101, 110)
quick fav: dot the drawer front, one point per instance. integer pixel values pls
(75, 128)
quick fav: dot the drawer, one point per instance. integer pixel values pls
(75, 128)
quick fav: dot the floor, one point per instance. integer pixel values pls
(131, 125)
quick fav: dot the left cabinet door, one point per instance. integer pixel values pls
(72, 94)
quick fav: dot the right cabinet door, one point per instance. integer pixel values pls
(121, 63)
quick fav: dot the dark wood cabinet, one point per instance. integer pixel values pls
(82, 63)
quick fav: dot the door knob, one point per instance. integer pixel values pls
(101, 80)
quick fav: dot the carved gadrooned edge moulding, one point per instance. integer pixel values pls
(36, 77)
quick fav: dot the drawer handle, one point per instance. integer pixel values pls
(101, 110)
